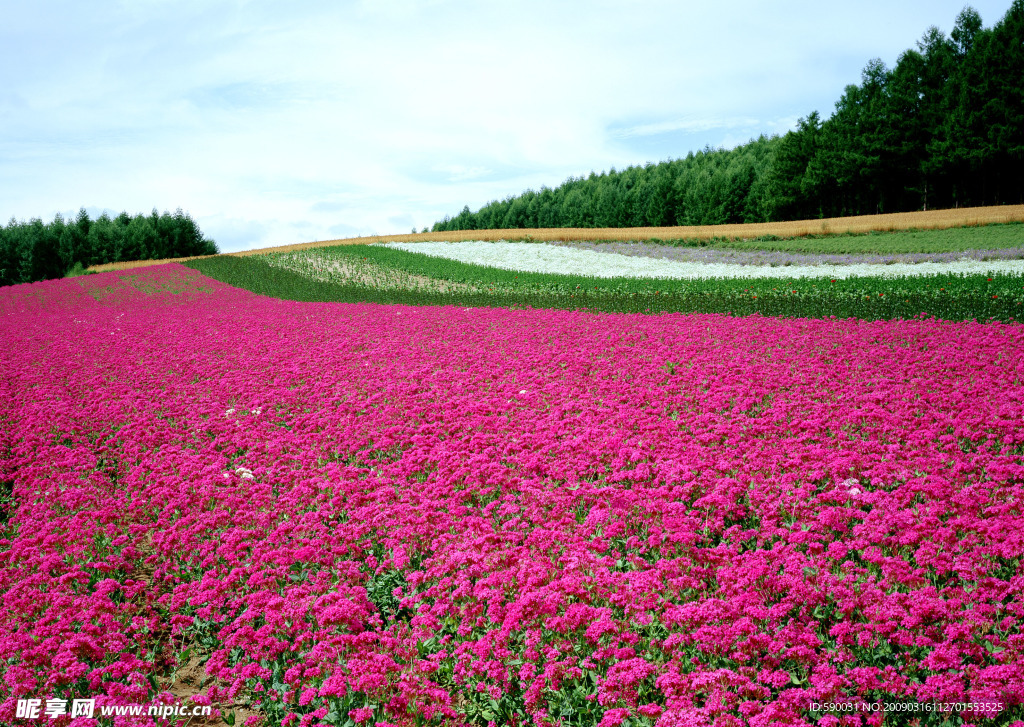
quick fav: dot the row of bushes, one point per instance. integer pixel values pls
(33, 251)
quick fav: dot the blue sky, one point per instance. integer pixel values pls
(273, 123)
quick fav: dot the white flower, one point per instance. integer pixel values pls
(851, 486)
(229, 412)
(532, 257)
(245, 472)
(523, 391)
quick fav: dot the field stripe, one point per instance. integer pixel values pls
(930, 220)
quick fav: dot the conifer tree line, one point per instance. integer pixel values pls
(35, 251)
(943, 128)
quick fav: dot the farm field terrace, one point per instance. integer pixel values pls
(354, 513)
(987, 284)
(976, 228)
(952, 239)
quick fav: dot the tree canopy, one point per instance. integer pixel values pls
(33, 251)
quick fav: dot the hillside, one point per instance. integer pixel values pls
(862, 224)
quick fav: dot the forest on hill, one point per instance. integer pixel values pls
(33, 251)
(943, 128)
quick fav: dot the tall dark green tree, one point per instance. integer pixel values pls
(34, 251)
(1003, 111)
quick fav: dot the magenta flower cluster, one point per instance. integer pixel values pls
(400, 515)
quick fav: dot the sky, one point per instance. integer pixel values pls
(272, 123)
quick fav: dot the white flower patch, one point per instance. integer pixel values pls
(530, 257)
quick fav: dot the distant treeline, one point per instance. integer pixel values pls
(944, 128)
(35, 251)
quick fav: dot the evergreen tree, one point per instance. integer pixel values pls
(1004, 103)
(35, 251)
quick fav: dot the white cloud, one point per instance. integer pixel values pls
(300, 119)
(458, 172)
(691, 125)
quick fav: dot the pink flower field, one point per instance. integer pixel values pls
(360, 514)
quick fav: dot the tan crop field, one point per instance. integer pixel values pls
(929, 220)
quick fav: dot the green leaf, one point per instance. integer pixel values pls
(992, 648)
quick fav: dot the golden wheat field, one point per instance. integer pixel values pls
(929, 220)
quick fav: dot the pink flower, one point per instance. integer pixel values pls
(361, 714)
(784, 517)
